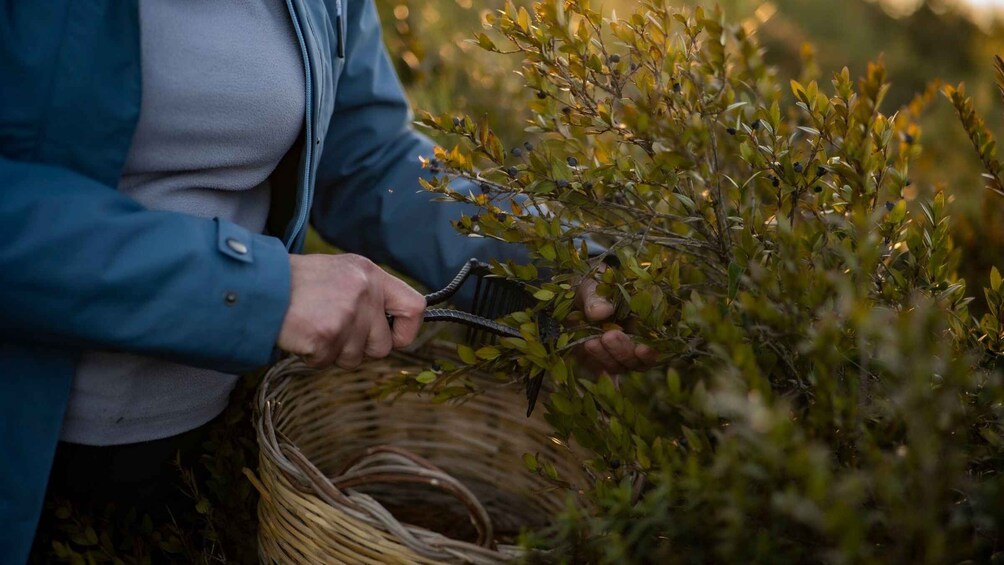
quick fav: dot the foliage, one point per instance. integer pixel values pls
(824, 393)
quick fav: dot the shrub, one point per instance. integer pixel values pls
(823, 393)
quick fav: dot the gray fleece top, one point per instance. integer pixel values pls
(223, 100)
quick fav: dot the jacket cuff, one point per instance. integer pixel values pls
(254, 295)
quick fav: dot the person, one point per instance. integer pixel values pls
(160, 162)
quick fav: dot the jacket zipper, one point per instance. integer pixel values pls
(340, 51)
(308, 160)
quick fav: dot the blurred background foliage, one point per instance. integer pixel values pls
(924, 43)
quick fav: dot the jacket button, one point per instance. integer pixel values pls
(230, 298)
(237, 246)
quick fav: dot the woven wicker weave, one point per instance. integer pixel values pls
(348, 478)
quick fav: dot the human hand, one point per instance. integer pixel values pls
(613, 352)
(338, 311)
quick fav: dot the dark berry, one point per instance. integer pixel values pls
(541, 94)
(500, 216)
(587, 185)
(677, 87)
(572, 162)
(820, 171)
(615, 464)
(634, 66)
(797, 167)
(775, 182)
(615, 58)
(908, 138)
(457, 121)
(511, 171)
(528, 146)
(818, 189)
(889, 205)
(485, 189)
(566, 110)
(731, 131)
(755, 125)
(475, 218)
(562, 183)
(437, 367)
(516, 152)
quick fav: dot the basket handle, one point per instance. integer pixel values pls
(384, 464)
(389, 464)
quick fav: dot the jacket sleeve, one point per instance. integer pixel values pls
(84, 265)
(368, 199)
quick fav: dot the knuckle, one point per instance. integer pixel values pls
(349, 363)
(312, 360)
(379, 351)
(363, 264)
(328, 332)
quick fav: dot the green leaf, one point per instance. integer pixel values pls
(548, 252)
(898, 213)
(686, 201)
(550, 471)
(485, 42)
(536, 349)
(543, 295)
(673, 381)
(530, 460)
(735, 274)
(561, 403)
(559, 371)
(641, 304)
(995, 279)
(487, 353)
(426, 377)
(523, 19)
(693, 440)
(466, 354)
(514, 342)
(605, 387)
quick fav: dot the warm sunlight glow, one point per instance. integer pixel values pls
(902, 8)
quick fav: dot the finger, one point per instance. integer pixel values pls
(352, 352)
(620, 348)
(380, 340)
(407, 306)
(316, 361)
(328, 344)
(599, 353)
(594, 306)
(647, 355)
(587, 362)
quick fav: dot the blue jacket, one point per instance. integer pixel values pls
(83, 266)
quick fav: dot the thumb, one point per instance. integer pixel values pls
(595, 307)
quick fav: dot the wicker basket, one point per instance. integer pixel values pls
(346, 477)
